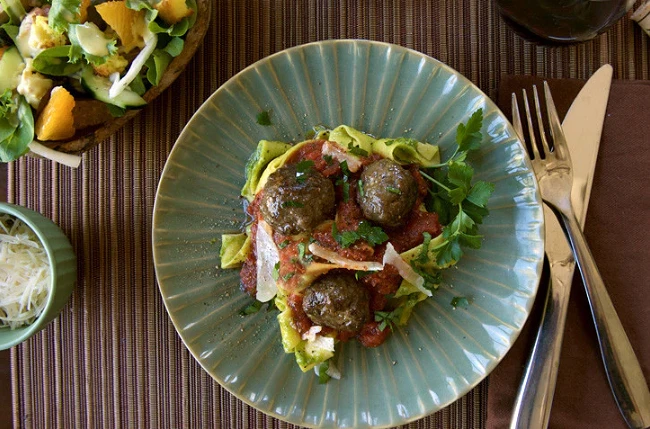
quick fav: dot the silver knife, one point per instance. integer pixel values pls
(583, 127)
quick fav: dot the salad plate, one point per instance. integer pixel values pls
(79, 71)
(383, 90)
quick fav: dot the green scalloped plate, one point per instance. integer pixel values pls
(385, 90)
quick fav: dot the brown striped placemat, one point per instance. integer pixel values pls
(113, 358)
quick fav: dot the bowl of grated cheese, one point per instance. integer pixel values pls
(38, 270)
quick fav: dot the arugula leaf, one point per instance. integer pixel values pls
(56, 62)
(160, 59)
(10, 32)
(16, 126)
(14, 9)
(158, 25)
(156, 65)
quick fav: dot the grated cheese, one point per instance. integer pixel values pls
(25, 279)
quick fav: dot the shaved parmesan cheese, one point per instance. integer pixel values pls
(267, 257)
(310, 335)
(407, 272)
(342, 262)
(333, 150)
(25, 279)
(319, 344)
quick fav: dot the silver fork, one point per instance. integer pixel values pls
(553, 169)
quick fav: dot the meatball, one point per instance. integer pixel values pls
(389, 193)
(338, 301)
(297, 201)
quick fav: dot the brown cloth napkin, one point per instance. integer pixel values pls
(618, 232)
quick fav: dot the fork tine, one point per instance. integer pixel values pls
(559, 141)
(516, 118)
(531, 130)
(540, 122)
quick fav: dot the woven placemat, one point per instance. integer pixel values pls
(113, 358)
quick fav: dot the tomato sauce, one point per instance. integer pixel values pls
(371, 336)
(301, 321)
(381, 284)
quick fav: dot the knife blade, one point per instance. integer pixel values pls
(584, 123)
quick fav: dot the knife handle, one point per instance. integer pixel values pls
(535, 396)
(621, 364)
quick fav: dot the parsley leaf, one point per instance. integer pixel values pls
(393, 190)
(356, 150)
(264, 118)
(374, 235)
(468, 136)
(459, 204)
(302, 170)
(276, 271)
(459, 301)
(388, 318)
(323, 376)
(292, 203)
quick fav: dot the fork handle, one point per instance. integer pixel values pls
(621, 364)
(535, 396)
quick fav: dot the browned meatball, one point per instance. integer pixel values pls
(338, 301)
(297, 201)
(389, 193)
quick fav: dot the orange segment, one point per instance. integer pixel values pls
(126, 22)
(172, 11)
(56, 121)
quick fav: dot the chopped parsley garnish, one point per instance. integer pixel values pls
(356, 150)
(288, 276)
(393, 190)
(251, 309)
(361, 274)
(403, 140)
(345, 181)
(284, 244)
(328, 159)
(374, 235)
(423, 257)
(323, 377)
(264, 118)
(460, 205)
(276, 271)
(255, 307)
(362, 192)
(302, 170)
(388, 318)
(292, 203)
(459, 301)
(302, 256)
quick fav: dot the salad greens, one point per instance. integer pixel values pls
(54, 44)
